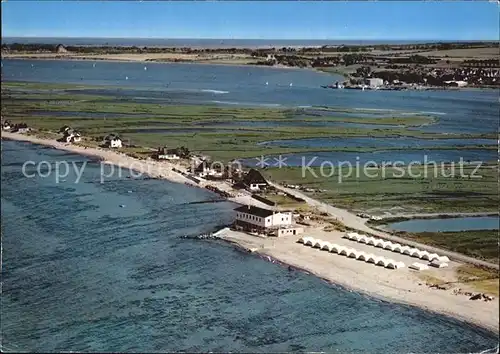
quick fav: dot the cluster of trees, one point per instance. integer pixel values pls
(363, 71)
(407, 76)
(325, 61)
(183, 152)
(414, 59)
(351, 59)
(492, 63)
(19, 47)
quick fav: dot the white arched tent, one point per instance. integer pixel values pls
(349, 234)
(334, 248)
(392, 264)
(371, 241)
(327, 246)
(362, 239)
(364, 256)
(304, 239)
(345, 251)
(389, 246)
(318, 244)
(310, 241)
(444, 259)
(382, 262)
(438, 264)
(373, 259)
(398, 248)
(406, 250)
(361, 256)
(355, 236)
(423, 255)
(337, 248)
(353, 253)
(416, 253)
(433, 256)
(380, 243)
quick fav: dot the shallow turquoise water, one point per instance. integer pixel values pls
(449, 224)
(82, 273)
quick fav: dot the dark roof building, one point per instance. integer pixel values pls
(253, 210)
(254, 177)
(202, 167)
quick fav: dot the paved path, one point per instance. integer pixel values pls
(351, 220)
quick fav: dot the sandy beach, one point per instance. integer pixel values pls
(401, 285)
(151, 168)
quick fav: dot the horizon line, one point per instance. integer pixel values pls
(261, 39)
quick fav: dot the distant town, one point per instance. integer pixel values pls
(390, 67)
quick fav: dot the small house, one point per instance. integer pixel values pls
(167, 154)
(254, 181)
(113, 141)
(374, 82)
(70, 136)
(6, 125)
(205, 169)
(21, 128)
(65, 129)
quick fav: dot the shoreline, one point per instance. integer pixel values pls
(154, 169)
(155, 61)
(357, 276)
(461, 308)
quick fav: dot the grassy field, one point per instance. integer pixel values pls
(481, 244)
(150, 125)
(370, 190)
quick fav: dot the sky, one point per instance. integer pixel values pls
(373, 20)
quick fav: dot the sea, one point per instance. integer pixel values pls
(204, 42)
(110, 264)
(105, 266)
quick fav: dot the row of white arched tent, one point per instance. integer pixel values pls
(395, 247)
(351, 253)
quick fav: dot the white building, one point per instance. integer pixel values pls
(205, 169)
(73, 137)
(168, 157)
(255, 219)
(254, 181)
(116, 142)
(374, 82)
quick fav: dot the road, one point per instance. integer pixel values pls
(351, 220)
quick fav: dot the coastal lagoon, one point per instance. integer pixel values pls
(448, 224)
(389, 157)
(398, 142)
(457, 111)
(93, 266)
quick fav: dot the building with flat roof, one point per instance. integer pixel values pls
(265, 221)
(375, 82)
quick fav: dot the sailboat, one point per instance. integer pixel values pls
(267, 83)
(145, 68)
(291, 84)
